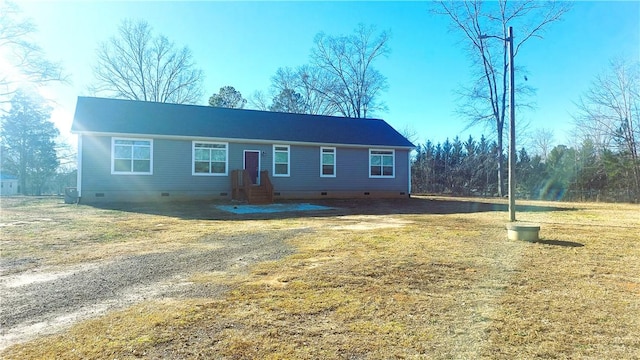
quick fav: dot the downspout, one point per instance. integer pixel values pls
(79, 166)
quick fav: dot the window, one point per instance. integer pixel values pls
(280, 160)
(327, 162)
(381, 163)
(210, 158)
(131, 156)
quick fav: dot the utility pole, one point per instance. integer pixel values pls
(515, 230)
(512, 131)
(512, 124)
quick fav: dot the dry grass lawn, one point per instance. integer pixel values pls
(427, 277)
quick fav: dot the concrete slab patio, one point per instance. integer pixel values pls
(271, 208)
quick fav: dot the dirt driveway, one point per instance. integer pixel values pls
(45, 300)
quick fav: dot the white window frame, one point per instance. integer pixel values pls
(288, 160)
(391, 152)
(193, 159)
(113, 157)
(333, 151)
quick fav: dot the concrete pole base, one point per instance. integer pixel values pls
(523, 231)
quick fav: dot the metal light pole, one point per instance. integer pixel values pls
(512, 131)
(512, 125)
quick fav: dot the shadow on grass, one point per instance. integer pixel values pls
(202, 210)
(560, 243)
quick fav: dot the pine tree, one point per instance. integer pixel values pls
(28, 142)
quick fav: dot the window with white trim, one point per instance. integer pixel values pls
(131, 156)
(328, 162)
(210, 158)
(281, 160)
(381, 163)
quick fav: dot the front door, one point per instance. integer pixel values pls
(252, 165)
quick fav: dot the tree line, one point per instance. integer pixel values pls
(467, 168)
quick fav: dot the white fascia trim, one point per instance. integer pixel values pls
(241, 140)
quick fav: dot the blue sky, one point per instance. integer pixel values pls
(242, 44)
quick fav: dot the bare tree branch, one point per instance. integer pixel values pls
(135, 65)
(349, 61)
(258, 100)
(23, 63)
(609, 113)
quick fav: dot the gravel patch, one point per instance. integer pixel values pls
(45, 302)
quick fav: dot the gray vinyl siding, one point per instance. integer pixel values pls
(172, 171)
(352, 172)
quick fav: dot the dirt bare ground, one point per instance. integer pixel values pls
(46, 300)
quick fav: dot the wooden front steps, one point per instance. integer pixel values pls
(243, 189)
(260, 195)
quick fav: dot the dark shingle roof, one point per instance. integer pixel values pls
(99, 115)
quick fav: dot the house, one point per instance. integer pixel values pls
(140, 151)
(9, 185)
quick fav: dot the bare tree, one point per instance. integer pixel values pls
(486, 99)
(315, 83)
(356, 84)
(410, 133)
(22, 61)
(543, 142)
(311, 83)
(609, 112)
(259, 101)
(139, 66)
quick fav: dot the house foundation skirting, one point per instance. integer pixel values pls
(103, 196)
(100, 196)
(337, 194)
